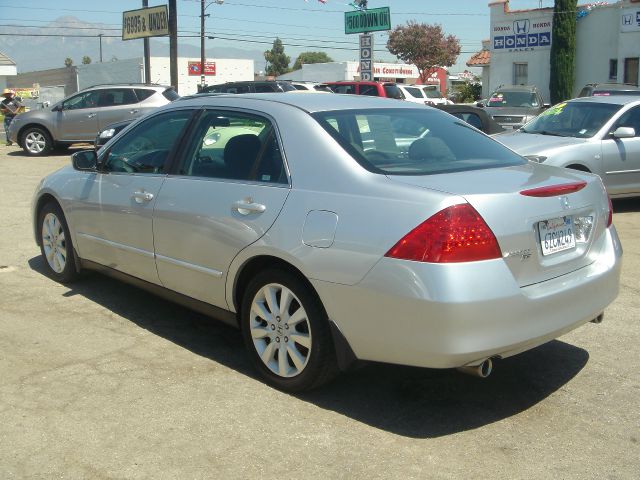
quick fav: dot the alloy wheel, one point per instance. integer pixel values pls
(54, 242)
(280, 330)
(35, 142)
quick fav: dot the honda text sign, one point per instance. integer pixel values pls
(146, 22)
(521, 35)
(366, 56)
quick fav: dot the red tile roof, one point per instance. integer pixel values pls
(480, 59)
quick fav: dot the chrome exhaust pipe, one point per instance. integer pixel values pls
(482, 370)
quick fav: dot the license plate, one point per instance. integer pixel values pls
(556, 235)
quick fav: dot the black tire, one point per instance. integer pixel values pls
(62, 147)
(50, 243)
(36, 141)
(321, 364)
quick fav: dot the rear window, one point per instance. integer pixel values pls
(392, 91)
(170, 94)
(414, 142)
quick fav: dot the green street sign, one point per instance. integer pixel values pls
(371, 20)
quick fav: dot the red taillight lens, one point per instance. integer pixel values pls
(554, 190)
(610, 217)
(455, 234)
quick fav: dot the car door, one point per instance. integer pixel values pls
(77, 119)
(113, 214)
(621, 156)
(224, 194)
(116, 105)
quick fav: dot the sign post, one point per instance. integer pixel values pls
(366, 57)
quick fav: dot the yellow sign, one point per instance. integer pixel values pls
(145, 22)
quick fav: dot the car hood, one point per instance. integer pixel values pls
(511, 111)
(533, 143)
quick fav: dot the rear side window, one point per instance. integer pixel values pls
(300, 87)
(266, 88)
(343, 88)
(235, 89)
(392, 91)
(116, 96)
(414, 92)
(370, 90)
(170, 94)
(144, 93)
(471, 118)
(414, 142)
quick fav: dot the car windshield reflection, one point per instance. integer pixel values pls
(581, 120)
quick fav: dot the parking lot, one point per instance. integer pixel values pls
(101, 380)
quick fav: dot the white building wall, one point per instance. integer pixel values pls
(129, 70)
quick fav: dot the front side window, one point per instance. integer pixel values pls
(82, 100)
(413, 142)
(432, 93)
(234, 146)
(572, 119)
(145, 149)
(631, 119)
(350, 88)
(414, 92)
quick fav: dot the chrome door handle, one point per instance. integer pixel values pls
(247, 206)
(142, 196)
(91, 115)
(133, 111)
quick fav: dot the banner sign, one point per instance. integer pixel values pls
(372, 20)
(209, 68)
(366, 57)
(521, 35)
(630, 20)
(145, 22)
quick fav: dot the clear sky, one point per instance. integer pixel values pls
(302, 25)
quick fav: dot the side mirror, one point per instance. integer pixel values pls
(479, 104)
(624, 132)
(85, 161)
(57, 108)
(546, 105)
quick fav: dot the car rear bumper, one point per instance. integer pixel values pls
(444, 316)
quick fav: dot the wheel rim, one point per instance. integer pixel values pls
(280, 330)
(35, 142)
(54, 243)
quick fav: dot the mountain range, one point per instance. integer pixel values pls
(40, 52)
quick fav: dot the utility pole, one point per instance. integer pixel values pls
(173, 43)
(147, 53)
(100, 38)
(202, 55)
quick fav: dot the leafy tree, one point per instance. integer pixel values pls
(469, 92)
(563, 50)
(86, 60)
(68, 62)
(423, 45)
(311, 57)
(278, 61)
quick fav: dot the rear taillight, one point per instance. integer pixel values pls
(554, 190)
(455, 234)
(610, 217)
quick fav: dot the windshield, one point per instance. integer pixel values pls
(506, 98)
(414, 141)
(572, 119)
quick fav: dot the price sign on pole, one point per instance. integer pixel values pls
(366, 57)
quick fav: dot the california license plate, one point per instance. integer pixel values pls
(556, 235)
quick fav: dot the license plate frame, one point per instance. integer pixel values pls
(556, 235)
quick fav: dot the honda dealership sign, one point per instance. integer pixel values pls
(630, 20)
(521, 35)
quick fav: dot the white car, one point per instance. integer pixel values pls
(424, 94)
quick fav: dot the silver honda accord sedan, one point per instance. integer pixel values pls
(337, 228)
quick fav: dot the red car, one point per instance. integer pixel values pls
(372, 89)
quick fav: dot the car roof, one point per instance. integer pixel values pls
(611, 99)
(309, 102)
(127, 85)
(516, 88)
(612, 86)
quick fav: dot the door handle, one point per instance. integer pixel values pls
(132, 112)
(142, 197)
(247, 206)
(91, 115)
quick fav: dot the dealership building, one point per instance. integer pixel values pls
(518, 51)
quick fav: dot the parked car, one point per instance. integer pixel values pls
(257, 209)
(424, 94)
(79, 117)
(371, 89)
(311, 86)
(592, 134)
(513, 106)
(258, 86)
(475, 116)
(607, 89)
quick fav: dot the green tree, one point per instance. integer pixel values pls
(86, 60)
(311, 57)
(277, 60)
(68, 62)
(426, 46)
(469, 92)
(563, 51)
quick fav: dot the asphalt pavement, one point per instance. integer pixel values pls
(100, 380)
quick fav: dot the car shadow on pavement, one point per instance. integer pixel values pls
(407, 401)
(57, 152)
(623, 205)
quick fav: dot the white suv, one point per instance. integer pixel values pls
(423, 94)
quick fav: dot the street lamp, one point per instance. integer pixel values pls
(203, 6)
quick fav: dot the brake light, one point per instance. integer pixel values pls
(554, 190)
(610, 217)
(455, 234)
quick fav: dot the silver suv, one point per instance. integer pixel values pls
(81, 116)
